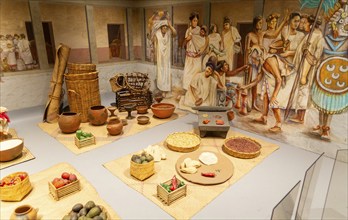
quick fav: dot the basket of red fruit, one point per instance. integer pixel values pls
(171, 190)
(63, 186)
(15, 186)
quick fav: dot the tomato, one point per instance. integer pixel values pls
(2, 183)
(72, 177)
(65, 175)
(22, 176)
(59, 183)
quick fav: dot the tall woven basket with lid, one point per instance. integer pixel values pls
(82, 90)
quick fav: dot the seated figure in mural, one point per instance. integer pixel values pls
(223, 71)
(329, 92)
(255, 38)
(203, 88)
(195, 46)
(162, 31)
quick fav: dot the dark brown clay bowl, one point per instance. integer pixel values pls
(143, 120)
(142, 109)
(10, 149)
(163, 110)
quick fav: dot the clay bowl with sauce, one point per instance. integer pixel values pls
(142, 109)
(10, 149)
(143, 120)
(163, 110)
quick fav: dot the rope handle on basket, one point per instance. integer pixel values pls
(78, 95)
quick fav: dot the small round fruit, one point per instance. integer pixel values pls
(72, 177)
(23, 176)
(65, 175)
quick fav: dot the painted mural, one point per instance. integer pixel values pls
(295, 74)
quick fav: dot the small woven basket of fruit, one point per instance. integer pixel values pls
(142, 166)
(63, 186)
(15, 186)
(88, 211)
(83, 139)
(171, 190)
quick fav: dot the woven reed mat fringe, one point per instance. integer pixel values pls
(49, 208)
(25, 156)
(100, 132)
(197, 196)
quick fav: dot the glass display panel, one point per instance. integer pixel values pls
(110, 24)
(17, 43)
(285, 208)
(309, 183)
(336, 201)
(67, 25)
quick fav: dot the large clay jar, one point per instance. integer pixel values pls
(114, 126)
(69, 122)
(24, 212)
(97, 115)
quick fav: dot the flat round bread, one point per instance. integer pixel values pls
(208, 158)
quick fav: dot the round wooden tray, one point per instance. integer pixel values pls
(239, 154)
(183, 149)
(223, 169)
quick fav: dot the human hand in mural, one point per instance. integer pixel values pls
(273, 101)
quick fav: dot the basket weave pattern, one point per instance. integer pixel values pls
(243, 155)
(65, 190)
(185, 149)
(76, 68)
(169, 197)
(16, 192)
(142, 171)
(83, 92)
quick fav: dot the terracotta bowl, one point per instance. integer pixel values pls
(163, 110)
(10, 149)
(142, 120)
(142, 109)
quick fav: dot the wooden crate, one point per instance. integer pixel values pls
(64, 190)
(16, 192)
(84, 142)
(142, 171)
(170, 197)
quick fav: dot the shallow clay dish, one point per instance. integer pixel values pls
(10, 149)
(163, 110)
(142, 120)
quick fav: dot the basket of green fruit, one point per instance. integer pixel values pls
(142, 166)
(83, 139)
(88, 211)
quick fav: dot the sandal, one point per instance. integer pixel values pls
(275, 129)
(316, 130)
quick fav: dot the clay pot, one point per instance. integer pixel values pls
(114, 126)
(143, 120)
(24, 212)
(69, 122)
(142, 109)
(10, 149)
(163, 110)
(97, 115)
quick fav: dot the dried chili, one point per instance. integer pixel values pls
(208, 174)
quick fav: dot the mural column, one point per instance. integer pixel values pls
(93, 53)
(38, 33)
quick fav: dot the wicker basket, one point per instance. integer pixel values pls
(83, 92)
(64, 190)
(84, 142)
(169, 197)
(181, 136)
(16, 192)
(142, 171)
(76, 68)
(238, 154)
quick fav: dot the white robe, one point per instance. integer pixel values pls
(230, 38)
(163, 51)
(24, 51)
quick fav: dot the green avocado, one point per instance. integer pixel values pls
(94, 212)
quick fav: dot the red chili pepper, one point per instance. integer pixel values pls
(174, 183)
(208, 174)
